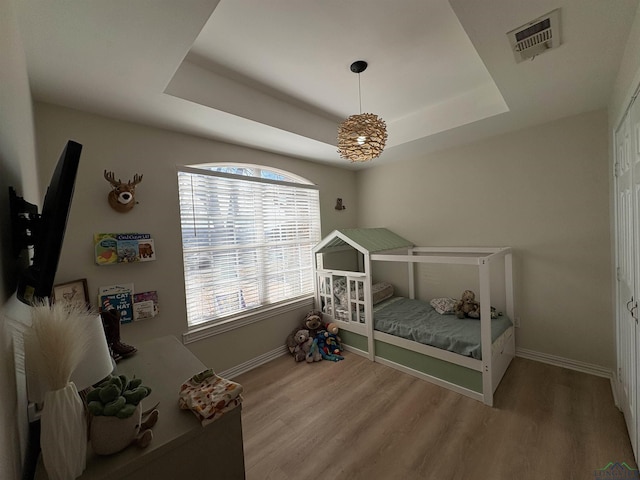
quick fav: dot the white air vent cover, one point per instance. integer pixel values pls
(536, 37)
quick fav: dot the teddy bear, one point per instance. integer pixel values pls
(299, 353)
(295, 342)
(467, 306)
(312, 322)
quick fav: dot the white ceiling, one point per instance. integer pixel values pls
(274, 75)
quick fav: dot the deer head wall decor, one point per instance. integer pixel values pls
(122, 196)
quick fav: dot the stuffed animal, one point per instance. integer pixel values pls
(332, 328)
(312, 350)
(334, 344)
(300, 337)
(294, 341)
(331, 338)
(313, 322)
(329, 345)
(467, 306)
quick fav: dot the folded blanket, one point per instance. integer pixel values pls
(209, 396)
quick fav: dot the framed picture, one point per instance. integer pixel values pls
(75, 291)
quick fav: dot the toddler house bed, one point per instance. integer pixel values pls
(468, 356)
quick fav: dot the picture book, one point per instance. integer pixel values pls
(119, 297)
(113, 248)
(145, 305)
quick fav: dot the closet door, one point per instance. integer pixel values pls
(626, 199)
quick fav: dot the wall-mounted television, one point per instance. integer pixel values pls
(44, 232)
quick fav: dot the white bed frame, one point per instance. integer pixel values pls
(494, 362)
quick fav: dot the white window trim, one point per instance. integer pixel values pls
(202, 171)
(247, 318)
(217, 327)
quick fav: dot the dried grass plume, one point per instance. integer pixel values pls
(63, 333)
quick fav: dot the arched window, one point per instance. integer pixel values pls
(247, 235)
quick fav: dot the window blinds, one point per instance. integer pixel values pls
(247, 242)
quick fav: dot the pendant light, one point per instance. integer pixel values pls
(361, 137)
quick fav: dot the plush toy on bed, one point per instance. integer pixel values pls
(467, 306)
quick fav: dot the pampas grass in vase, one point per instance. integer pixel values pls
(61, 334)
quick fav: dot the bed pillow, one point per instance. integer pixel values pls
(444, 305)
(380, 292)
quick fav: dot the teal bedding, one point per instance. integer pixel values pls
(417, 320)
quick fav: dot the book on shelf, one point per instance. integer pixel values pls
(145, 305)
(119, 297)
(114, 248)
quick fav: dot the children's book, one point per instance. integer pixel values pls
(119, 297)
(112, 248)
(145, 305)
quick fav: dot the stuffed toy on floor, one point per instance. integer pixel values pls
(330, 343)
(312, 324)
(312, 350)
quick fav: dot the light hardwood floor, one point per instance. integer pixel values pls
(358, 419)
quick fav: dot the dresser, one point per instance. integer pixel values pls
(181, 447)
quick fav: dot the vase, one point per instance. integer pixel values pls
(112, 434)
(63, 437)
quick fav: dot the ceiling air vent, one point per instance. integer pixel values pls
(536, 37)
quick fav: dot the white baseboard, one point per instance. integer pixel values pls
(254, 362)
(576, 365)
(614, 390)
(267, 357)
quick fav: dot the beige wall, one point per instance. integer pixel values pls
(544, 192)
(17, 169)
(628, 76)
(128, 149)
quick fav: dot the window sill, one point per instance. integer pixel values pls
(201, 332)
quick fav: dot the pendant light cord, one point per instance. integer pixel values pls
(359, 94)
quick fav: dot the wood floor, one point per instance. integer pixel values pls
(358, 419)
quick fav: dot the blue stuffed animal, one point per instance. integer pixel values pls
(329, 346)
(314, 354)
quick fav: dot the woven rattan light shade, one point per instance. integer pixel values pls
(362, 137)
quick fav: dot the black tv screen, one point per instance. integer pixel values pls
(47, 230)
